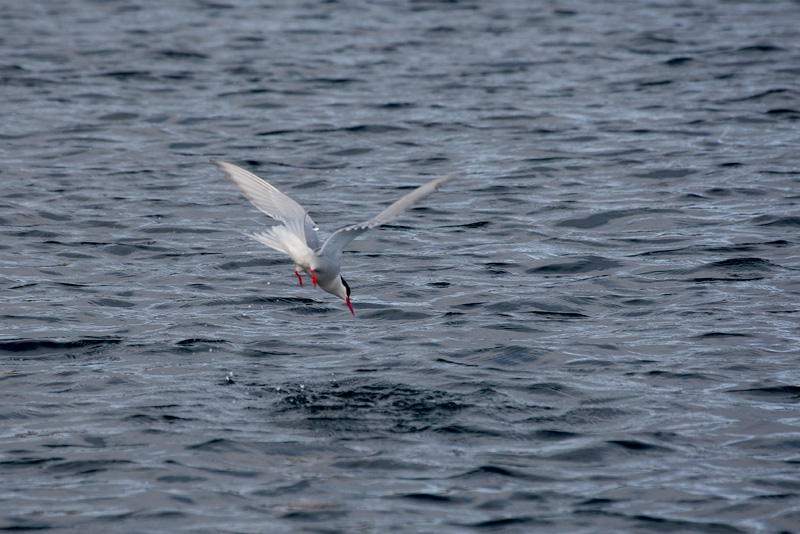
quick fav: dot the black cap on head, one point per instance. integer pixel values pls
(345, 286)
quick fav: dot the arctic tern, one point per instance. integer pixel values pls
(296, 234)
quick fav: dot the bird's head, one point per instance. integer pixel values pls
(343, 292)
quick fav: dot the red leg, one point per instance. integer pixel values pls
(298, 277)
(313, 277)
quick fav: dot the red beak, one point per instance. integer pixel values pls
(349, 306)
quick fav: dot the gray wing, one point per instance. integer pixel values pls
(269, 200)
(336, 243)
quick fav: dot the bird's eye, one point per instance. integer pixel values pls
(346, 286)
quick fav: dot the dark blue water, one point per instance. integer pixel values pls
(596, 329)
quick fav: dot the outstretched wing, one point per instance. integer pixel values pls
(336, 243)
(269, 200)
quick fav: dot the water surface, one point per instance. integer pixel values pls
(595, 329)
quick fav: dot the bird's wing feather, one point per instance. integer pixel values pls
(338, 240)
(336, 243)
(310, 231)
(269, 200)
(269, 239)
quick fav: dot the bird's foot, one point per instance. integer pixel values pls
(313, 277)
(298, 278)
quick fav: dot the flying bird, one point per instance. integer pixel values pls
(296, 234)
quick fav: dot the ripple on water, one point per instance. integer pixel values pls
(593, 329)
(44, 349)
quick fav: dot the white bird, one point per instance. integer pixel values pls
(296, 235)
